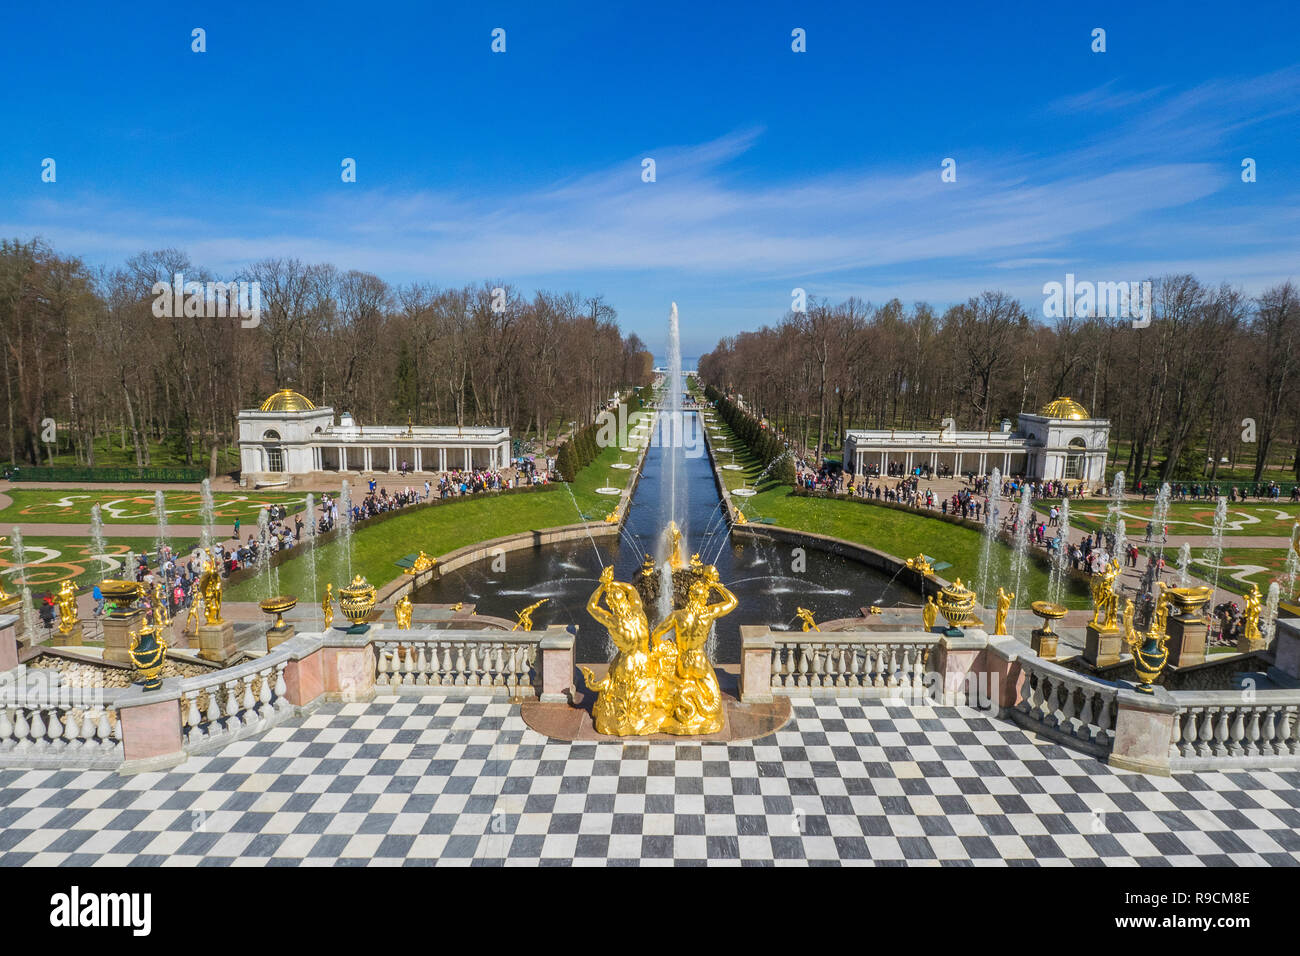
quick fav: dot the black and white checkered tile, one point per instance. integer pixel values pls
(403, 782)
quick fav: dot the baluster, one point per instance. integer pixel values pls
(1236, 732)
(1085, 717)
(1103, 720)
(1176, 736)
(1066, 720)
(918, 672)
(1205, 734)
(1292, 736)
(408, 665)
(496, 651)
(829, 670)
(381, 665)
(249, 705)
(1049, 701)
(104, 730)
(194, 719)
(6, 729)
(21, 729)
(233, 723)
(282, 702)
(1268, 740)
(1252, 741)
(460, 665)
(1025, 692)
(86, 734)
(38, 730)
(71, 731)
(854, 678)
(1190, 733)
(1223, 730)
(264, 694)
(422, 666)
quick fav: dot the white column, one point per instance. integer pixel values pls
(393, 463)
(419, 459)
(882, 462)
(956, 470)
(984, 463)
(469, 461)
(1006, 462)
(442, 459)
(343, 457)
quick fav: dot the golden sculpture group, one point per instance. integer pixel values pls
(657, 685)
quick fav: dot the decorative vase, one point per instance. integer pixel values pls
(278, 605)
(1149, 661)
(147, 652)
(357, 600)
(957, 604)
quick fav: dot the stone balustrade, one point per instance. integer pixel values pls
(234, 703)
(1225, 729)
(1067, 706)
(847, 664)
(489, 662)
(39, 733)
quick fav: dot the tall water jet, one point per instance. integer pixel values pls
(1214, 556)
(1061, 559)
(1121, 541)
(1269, 624)
(1116, 503)
(20, 570)
(345, 530)
(1159, 516)
(97, 542)
(1184, 565)
(987, 551)
(671, 431)
(160, 518)
(264, 553)
(1020, 550)
(308, 543)
(1292, 567)
(207, 514)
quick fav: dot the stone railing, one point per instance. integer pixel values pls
(442, 662)
(844, 664)
(1226, 729)
(231, 704)
(45, 733)
(1069, 707)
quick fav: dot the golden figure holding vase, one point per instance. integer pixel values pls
(402, 610)
(1000, 615)
(1105, 602)
(67, 604)
(525, 617)
(327, 605)
(210, 588)
(694, 699)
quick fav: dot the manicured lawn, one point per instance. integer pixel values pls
(1241, 567)
(51, 560)
(44, 506)
(110, 453)
(442, 528)
(1187, 517)
(897, 532)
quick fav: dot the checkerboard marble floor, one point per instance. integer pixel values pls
(403, 782)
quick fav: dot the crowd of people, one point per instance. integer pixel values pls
(1211, 491)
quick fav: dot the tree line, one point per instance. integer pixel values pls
(1213, 375)
(83, 346)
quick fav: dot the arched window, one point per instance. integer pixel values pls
(1074, 458)
(270, 435)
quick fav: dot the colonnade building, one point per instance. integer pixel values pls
(1060, 441)
(288, 435)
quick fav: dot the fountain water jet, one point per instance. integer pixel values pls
(20, 571)
(98, 544)
(987, 552)
(207, 514)
(160, 517)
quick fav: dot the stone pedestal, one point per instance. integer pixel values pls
(217, 641)
(1102, 647)
(1250, 647)
(1144, 725)
(1186, 640)
(8, 642)
(71, 639)
(756, 665)
(1043, 643)
(150, 724)
(117, 634)
(278, 635)
(1288, 647)
(556, 650)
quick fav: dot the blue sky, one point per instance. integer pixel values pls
(774, 169)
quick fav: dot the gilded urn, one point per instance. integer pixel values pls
(1049, 612)
(357, 600)
(121, 594)
(278, 605)
(957, 605)
(1188, 601)
(147, 652)
(1149, 659)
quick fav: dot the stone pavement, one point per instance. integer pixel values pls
(465, 782)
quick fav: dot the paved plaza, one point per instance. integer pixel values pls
(465, 782)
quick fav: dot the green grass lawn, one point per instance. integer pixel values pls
(110, 453)
(897, 532)
(1241, 567)
(51, 560)
(442, 528)
(45, 506)
(1186, 517)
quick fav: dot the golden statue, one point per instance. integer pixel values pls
(525, 622)
(403, 611)
(929, 613)
(627, 701)
(1105, 602)
(421, 563)
(67, 602)
(210, 588)
(162, 616)
(196, 604)
(327, 604)
(740, 517)
(1000, 616)
(459, 605)
(1150, 650)
(806, 616)
(692, 696)
(919, 563)
(1250, 618)
(1130, 629)
(674, 546)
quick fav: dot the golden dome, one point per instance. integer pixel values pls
(287, 400)
(1065, 407)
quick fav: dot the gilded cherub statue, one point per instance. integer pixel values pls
(1250, 618)
(627, 701)
(806, 616)
(327, 604)
(525, 622)
(210, 588)
(1105, 602)
(67, 603)
(402, 610)
(162, 617)
(1004, 604)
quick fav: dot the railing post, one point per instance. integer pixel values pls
(348, 667)
(8, 642)
(1144, 727)
(149, 723)
(304, 676)
(960, 657)
(756, 646)
(557, 666)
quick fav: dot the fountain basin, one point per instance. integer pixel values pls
(609, 491)
(744, 492)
